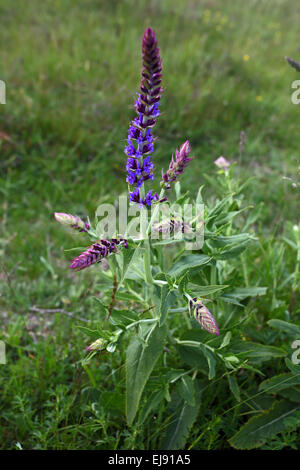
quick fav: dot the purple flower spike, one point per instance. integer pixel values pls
(204, 317)
(140, 139)
(96, 252)
(177, 166)
(71, 220)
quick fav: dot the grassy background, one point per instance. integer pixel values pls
(72, 69)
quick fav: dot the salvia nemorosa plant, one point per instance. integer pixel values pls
(157, 282)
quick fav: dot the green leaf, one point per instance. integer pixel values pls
(232, 358)
(253, 216)
(226, 340)
(168, 241)
(188, 262)
(233, 251)
(211, 361)
(182, 283)
(199, 198)
(113, 402)
(101, 305)
(186, 390)
(193, 357)
(228, 217)
(289, 328)
(207, 351)
(244, 292)
(151, 404)
(77, 248)
(177, 189)
(202, 291)
(218, 208)
(233, 239)
(174, 374)
(166, 300)
(48, 266)
(230, 300)
(182, 417)
(294, 368)
(292, 394)
(129, 256)
(233, 385)
(280, 382)
(123, 318)
(260, 429)
(256, 352)
(122, 295)
(141, 356)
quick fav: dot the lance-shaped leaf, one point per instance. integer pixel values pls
(290, 328)
(203, 291)
(167, 298)
(280, 382)
(188, 262)
(256, 352)
(142, 354)
(265, 426)
(182, 416)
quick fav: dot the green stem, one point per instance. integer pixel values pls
(213, 280)
(147, 262)
(245, 271)
(154, 214)
(147, 254)
(295, 282)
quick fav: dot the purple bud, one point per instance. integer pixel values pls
(71, 220)
(204, 317)
(96, 252)
(177, 166)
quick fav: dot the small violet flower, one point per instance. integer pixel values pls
(222, 163)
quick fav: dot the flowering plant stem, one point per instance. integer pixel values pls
(154, 214)
(147, 262)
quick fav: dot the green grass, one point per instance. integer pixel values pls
(72, 69)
